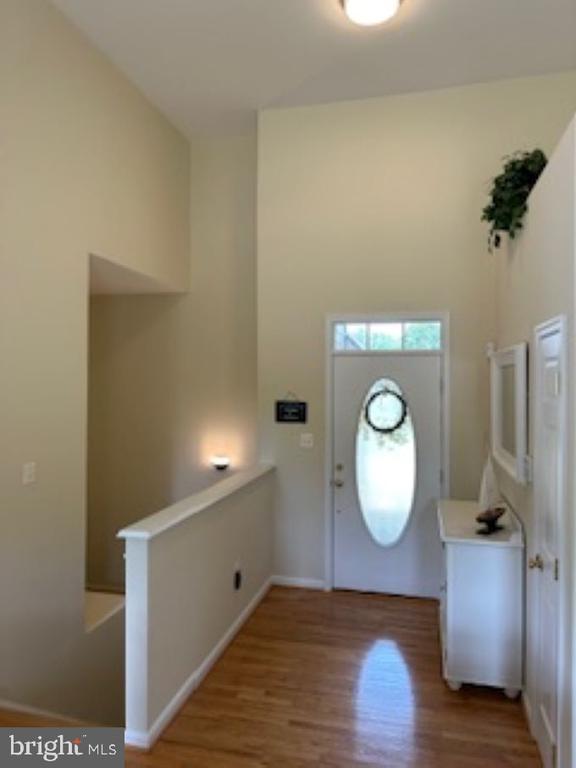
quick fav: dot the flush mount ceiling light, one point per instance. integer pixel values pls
(369, 13)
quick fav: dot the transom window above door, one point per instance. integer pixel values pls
(390, 335)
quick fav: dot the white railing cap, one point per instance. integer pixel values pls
(177, 513)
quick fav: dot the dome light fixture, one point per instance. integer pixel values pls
(370, 13)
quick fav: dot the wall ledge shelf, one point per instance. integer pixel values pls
(99, 607)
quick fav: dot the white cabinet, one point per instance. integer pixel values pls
(482, 599)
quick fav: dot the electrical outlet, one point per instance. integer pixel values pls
(306, 440)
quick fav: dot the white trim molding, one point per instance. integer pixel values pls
(298, 582)
(528, 710)
(516, 358)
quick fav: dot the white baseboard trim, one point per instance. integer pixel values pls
(24, 709)
(527, 705)
(146, 739)
(297, 581)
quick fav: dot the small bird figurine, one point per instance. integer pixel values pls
(489, 519)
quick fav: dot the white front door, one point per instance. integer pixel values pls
(549, 460)
(387, 472)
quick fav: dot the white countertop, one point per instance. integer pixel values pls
(457, 522)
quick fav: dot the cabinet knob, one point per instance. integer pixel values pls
(337, 483)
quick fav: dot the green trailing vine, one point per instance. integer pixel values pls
(509, 196)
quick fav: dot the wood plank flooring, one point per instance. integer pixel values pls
(339, 680)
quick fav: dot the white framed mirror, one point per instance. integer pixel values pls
(509, 405)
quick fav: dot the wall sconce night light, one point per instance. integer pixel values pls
(220, 462)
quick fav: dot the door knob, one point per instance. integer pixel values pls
(536, 562)
(337, 483)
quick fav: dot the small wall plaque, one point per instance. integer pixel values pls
(291, 412)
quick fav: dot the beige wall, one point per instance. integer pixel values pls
(173, 379)
(87, 166)
(534, 283)
(534, 276)
(374, 206)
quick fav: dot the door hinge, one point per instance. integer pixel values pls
(556, 570)
(441, 477)
(554, 756)
(441, 386)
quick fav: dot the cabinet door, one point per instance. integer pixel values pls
(484, 612)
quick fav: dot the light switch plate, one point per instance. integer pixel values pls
(29, 473)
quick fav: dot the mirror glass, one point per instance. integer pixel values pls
(508, 393)
(509, 405)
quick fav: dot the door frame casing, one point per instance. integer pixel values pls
(559, 324)
(377, 317)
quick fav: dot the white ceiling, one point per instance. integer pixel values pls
(209, 64)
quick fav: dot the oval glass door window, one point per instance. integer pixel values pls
(385, 462)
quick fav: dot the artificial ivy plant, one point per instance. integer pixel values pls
(510, 189)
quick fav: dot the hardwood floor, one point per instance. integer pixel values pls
(339, 680)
